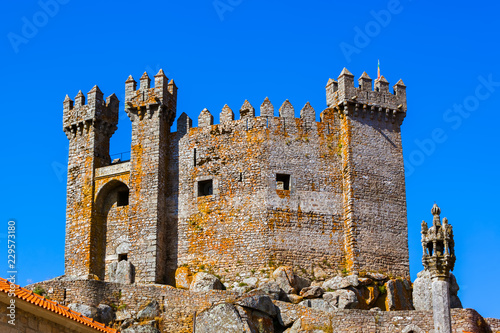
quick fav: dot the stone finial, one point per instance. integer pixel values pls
(68, 103)
(79, 99)
(130, 87)
(365, 82)
(286, 110)
(145, 81)
(184, 123)
(266, 108)
(205, 118)
(345, 72)
(307, 113)
(331, 87)
(438, 246)
(247, 110)
(382, 84)
(226, 115)
(160, 79)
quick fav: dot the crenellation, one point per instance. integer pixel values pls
(286, 110)
(145, 82)
(365, 82)
(382, 85)
(307, 113)
(205, 118)
(266, 108)
(226, 115)
(247, 110)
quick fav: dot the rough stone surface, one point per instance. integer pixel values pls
(301, 283)
(150, 311)
(221, 318)
(312, 292)
(143, 328)
(341, 299)
(339, 282)
(398, 298)
(204, 281)
(262, 303)
(273, 290)
(86, 310)
(183, 278)
(105, 314)
(285, 278)
(319, 304)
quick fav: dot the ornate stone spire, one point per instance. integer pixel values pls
(438, 246)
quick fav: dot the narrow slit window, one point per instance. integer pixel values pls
(205, 187)
(122, 199)
(241, 177)
(194, 156)
(282, 182)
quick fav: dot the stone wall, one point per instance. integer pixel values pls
(248, 220)
(179, 307)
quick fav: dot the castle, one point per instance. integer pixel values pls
(303, 222)
(253, 191)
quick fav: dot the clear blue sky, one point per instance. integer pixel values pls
(446, 53)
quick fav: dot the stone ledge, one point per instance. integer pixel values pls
(112, 170)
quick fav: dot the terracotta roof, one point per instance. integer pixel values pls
(30, 297)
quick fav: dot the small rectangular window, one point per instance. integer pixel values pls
(122, 199)
(205, 187)
(282, 182)
(122, 256)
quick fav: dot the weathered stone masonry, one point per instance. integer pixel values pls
(254, 192)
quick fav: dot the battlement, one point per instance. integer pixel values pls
(79, 116)
(247, 114)
(363, 101)
(146, 99)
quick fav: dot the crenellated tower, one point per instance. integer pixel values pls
(374, 198)
(152, 112)
(89, 127)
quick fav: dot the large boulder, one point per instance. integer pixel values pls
(285, 279)
(341, 282)
(312, 292)
(86, 310)
(301, 283)
(105, 314)
(221, 318)
(257, 321)
(422, 291)
(203, 281)
(273, 290)
(262, 303)
(398, 296)
(150, 311)
(341, 299)
(367, 295)
(183, 278)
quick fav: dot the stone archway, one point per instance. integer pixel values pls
(110, 226)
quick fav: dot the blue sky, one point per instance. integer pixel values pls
(227, 51)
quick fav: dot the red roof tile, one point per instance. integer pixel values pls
(55, 307)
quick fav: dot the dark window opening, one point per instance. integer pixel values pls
(205, 187)
(122, 256)
(241, 177)
(122, 198)
(282, 182)
(194, 156)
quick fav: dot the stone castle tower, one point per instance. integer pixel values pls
(253, 192)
